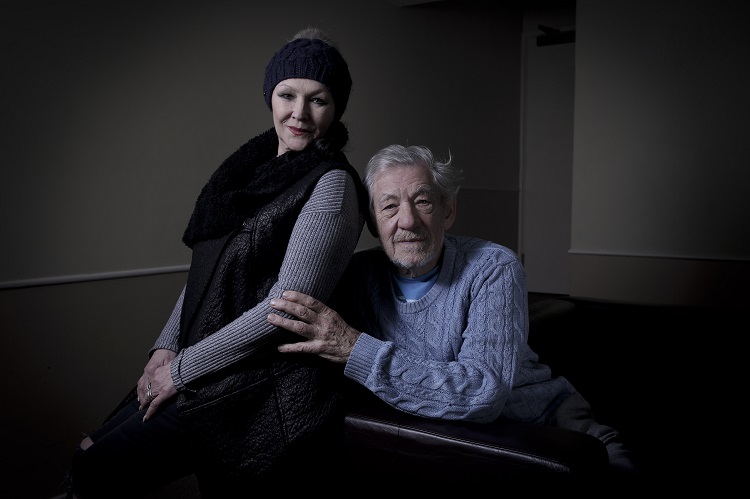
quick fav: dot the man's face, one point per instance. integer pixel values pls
(410, 218)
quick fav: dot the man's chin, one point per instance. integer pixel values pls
(410, 261)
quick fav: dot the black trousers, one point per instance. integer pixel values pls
(131, 458)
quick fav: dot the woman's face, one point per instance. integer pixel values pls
(302, 112)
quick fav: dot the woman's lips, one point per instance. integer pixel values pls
(298, 131)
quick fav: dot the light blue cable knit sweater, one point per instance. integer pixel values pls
(460, 351)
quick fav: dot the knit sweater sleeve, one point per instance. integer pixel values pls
(453, 354)
(170, 333)
(322, 241)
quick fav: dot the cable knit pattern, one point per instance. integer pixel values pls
(459, 352)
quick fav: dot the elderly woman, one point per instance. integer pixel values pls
(216, 399)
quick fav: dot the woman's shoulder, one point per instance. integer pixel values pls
(339, 171)
(337, 176)
(335, 191)
(336, 184)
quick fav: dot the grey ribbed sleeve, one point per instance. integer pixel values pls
(170, 334)
(322, 242)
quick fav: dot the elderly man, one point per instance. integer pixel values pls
(435, 324)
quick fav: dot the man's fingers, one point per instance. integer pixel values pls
(302, 299)
(290, 325)
(302, 312)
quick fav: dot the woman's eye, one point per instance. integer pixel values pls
(319, 101)
(285, 96)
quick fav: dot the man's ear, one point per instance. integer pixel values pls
(450, 214)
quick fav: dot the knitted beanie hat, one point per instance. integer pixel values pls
(312, 59)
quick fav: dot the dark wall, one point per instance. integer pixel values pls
(114, 116)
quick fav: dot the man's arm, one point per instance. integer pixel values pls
(469, 377)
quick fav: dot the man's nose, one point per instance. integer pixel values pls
(407, 216)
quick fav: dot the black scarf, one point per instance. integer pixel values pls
(251, 177)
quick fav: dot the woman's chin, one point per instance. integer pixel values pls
(295, 143)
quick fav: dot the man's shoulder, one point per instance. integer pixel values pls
(476, 247)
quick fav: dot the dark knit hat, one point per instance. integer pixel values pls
(312, 59)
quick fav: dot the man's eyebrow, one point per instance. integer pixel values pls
(386, 196)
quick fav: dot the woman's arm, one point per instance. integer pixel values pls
(170, 334)
(322, 241)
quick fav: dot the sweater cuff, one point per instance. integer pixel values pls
(362, 358)
(174, 371)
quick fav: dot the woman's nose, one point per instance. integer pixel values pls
(299, 111)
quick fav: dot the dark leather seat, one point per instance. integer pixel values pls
(380, 438)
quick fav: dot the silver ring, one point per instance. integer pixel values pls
(149, 395)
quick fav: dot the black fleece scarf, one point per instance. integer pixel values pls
(251, 177)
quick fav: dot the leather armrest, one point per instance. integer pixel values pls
(382, 438)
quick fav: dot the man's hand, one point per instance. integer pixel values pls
(327, 334)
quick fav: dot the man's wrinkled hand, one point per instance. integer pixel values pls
(326, 333)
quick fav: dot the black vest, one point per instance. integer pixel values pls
(250, 416)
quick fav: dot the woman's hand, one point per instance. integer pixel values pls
(156, 386)
(327, 334)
